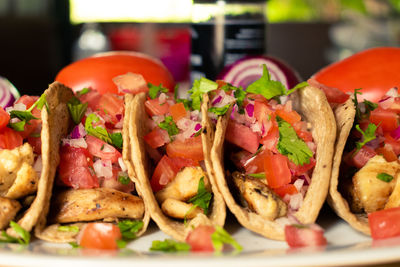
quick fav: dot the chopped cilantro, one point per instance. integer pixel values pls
(124, 179)
(200, 87)
(74, 245)
(114, 139)
(298, 86)
(266, 87)
(18, 126)
(121, 243)
(240, 95)
(221, 237)
(219, 111)
(154, 90)
(68, 228)
(203, 197)
(129, 228)
(368, 135)
(169, 245)
(385, 177)
(260, 175)
(369, 106)
(23, 235)
(76, 109)
(291, 145)
(169, 125)
(82, 92)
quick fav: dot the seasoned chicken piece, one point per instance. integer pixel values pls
(179, 209)
(17, 176)
(94, 204)
(259, 197)
(184, 186)
(394, 199)
(8, 210)
(371, 191)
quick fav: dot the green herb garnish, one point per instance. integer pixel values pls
(219, 111)
(369, 106)
(76, 109)
(265, 86)
(124, 179)
(203, 197)
(154, 90)
(68, 228)
(169, 245)
(385, 177)
(221, 237)
(26, 115)
(74, 245)
(114, 139)
(129, 228)
(291, 145)
(368, 135)
(23, 235)
(260, 175)
(200, 87)
(169, 125)
(82, 92)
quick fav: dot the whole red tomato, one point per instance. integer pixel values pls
(98, 71)
(375, 71)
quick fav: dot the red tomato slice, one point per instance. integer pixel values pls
(289, 116)
(304, 235)
(384, 223)
(270, 140)
(333, 95)
(164, 173)
(190, 148)
(133, 83)
(362, 156)
(395, 144)
(100, 236)
(262, 112)
(99, 70)
(4, 118)
(301, 169)
(386, 118)
(256, 164)
(74, 169)
(387, 152)
(177, 111)
(32, 125)
(157, 138)
(153, 107)
(276, 170)
(111, 107)
(10, 139)
(36, 144)
(289, 189)
(180, 163)
(200, 238)
(27, 100)
(101, 149)
(242, 136)
(374, 70)
(92, 98)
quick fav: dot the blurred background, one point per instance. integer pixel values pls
(39, 37)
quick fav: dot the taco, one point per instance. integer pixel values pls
(29, 140)
(278, 148)
(171, 140)
(365, 166)
(95, 181)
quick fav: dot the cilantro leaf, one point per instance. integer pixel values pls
(18, 126)
(98, 131)
(385, 177)
(124, 179)
(169, 125)
(23, 235)
(368, 135)
(68, 228)
(240, 95)
(260, 175)
(266, 87)
(129, 228)
(221, 237)
(298, 86)
(169, 245)
(355, 102)
(82, 92)
(74, 245)
(200, 87)
(291, 145)
(76, 109)
(116, 140)
(154, 90)
(203, 197)
(220, 110)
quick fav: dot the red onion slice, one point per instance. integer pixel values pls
(8, 93)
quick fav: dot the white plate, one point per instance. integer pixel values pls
(345, 247)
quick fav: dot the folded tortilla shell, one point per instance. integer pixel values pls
(311, 103)
(141, 162)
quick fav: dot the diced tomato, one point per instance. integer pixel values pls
(153, 107)
(240, 158)
(32, 125)
(384, 223)
(156, 138)
(302, 132)
(386, 118)
(242, 136)
(190, 148)
(270, 140)
(114, 183)
(387, 152)
(164, 173)
(111, 107)
(4, 118)
(276, 170)
(289, 189)
(362, 156)
(177, 111)
(36, 144)
(133, 83)
(200, 238)
(101, 149)
(92, 98)
(301, 169)
(154, 154)
(100, 236)
(262, 112)
(304, 235)
(74, 167)
(256, 163)
(395, 144)
(10, 139)
(27, 100)
(180, 163)
(221, 83)
(333, 95)
(289, 116)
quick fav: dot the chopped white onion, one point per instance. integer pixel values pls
(120, 123)
(108, 148)
(158, 119)
(18, 106)
(78, 142)
(298, 184)
(122, 164)
(103, 168)
(295, 201)
(37, 166)
(393, 92)
(385, 104)
(162, 98)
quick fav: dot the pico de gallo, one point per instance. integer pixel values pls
(370, 164)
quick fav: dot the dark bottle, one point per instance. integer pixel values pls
(224, 31)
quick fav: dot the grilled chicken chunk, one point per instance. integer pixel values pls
(259, 197)
(184, 186)
(94, 204)
(179, 209)
(8, 210)
(17, 176)
(394, 199)
(372, 193)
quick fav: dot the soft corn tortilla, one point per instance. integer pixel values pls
(344, 115)
(55, 121)
(311, 103)
(137, 130)
(52, 233)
